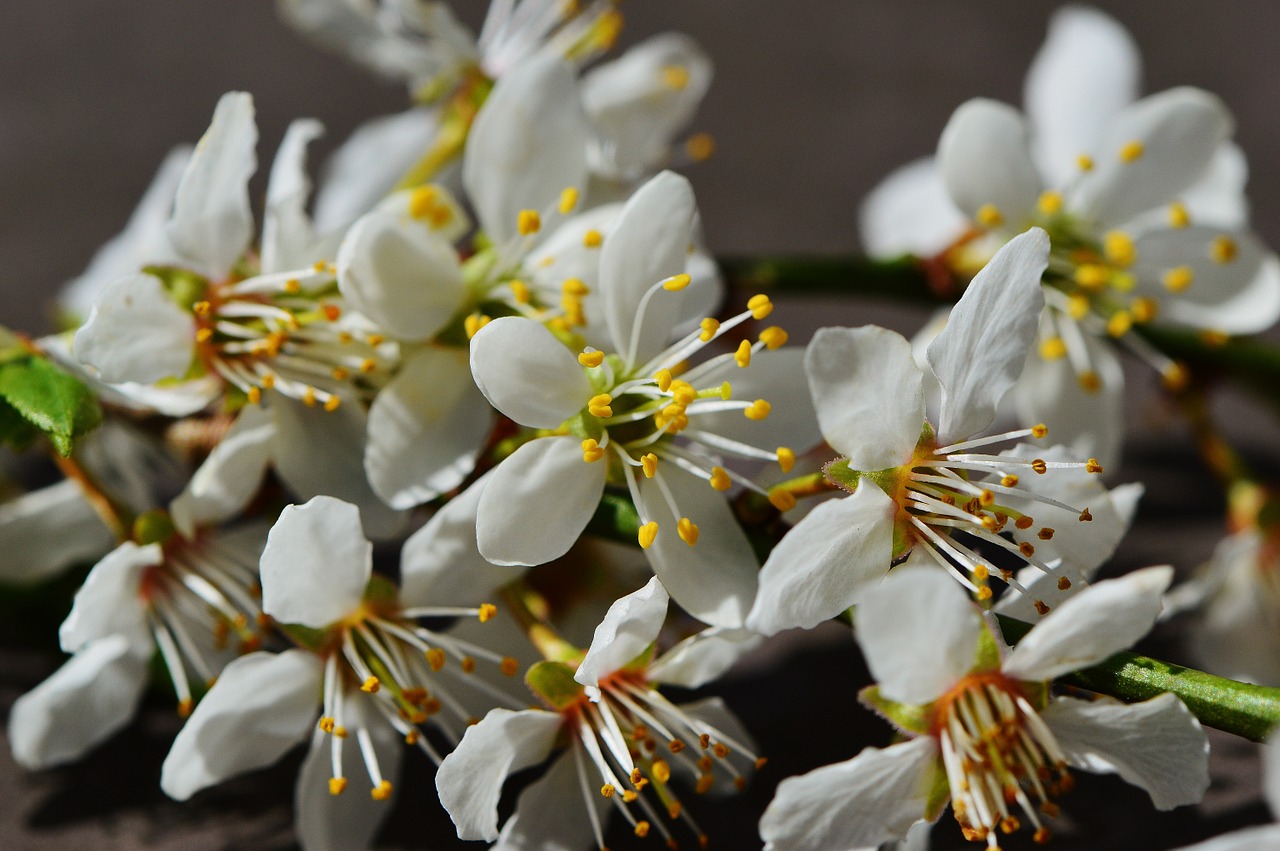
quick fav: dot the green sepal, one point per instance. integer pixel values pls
(1036, 693)
(987, 653)
(939, 792)
(554, 684)
(841, 475)
(183, 286)
(305, 637)
(49, 399)
(477, 269)
(153, 527)
(909, 718)
(381, 592)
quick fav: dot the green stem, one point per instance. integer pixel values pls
(1241, 708)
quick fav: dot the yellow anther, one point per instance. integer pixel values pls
(760, 306)
(661, 771)
(710, 327)
(649, 463)
(773, 337)
(1009, 481)
(642, 829)
(783, 500)
(676, 282)
(1063, 583)
(520, 292)
(509, 666)
(591, 450)
(370, 685)
(726, 390)
(1092, 276)
(268, 381)
(185, 707)
(598, 406)
(1025, 522)
(375, 339)
(675, 76)
(345, 338)
(337, 785)
(1144, 309)
(663, 377)
(1175, 377)
(204, 335)
(1178, 278)
(568, 200)
(435, 658)
(682, 392)
(786, 458)
(411, 737)
(989, 216)
(468, 664)
(1046, 534)
(647, 533)
(986, 498)
(1090, 381)
(608, 790)
(1026, 549)
(1214, 339)
(700, 147)
(720, 479)
(423, 202)
(687, 530)
(1119, 323)
(1223, 249)
(1085, 516)
(528, 222)
(757, 410)
(1084, 162)
(743, 355)
(1039, 466)
(984, 593)
(628, 795)
(320, 266)
(487, 612)
(201, 308)
(1118, 246)
(1050, 203)
(382, 791)
(1178, 215)
(1078, 306)
(1052, 348)
(255, 395)
(1131, 151)
(293, 286)
(309, 397)
(368, 365)
(574, 286)
(326, 723)
(591, 359)
(340, 373)
(332, 403)
(340, 732)
(592, 239)
(473, 323)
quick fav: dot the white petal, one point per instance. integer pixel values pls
(141, 243)
(649, 243)
(108, 602)
(1239, 297)
(715, 580)
(538, 501)
(470, 779)
(1086, 72)
(132, 465)
(910, 212)
(1092, 625)
(919, 633)
(46, 531)
(629, 627)
(80, 705)
(873, 798)
(212, 222)
(985, 159)
(1091, 423)
(1271, 774)
(1218, 198)
(425, 428)
(230, 476)
(1179, 131)
(636, 109)
(401, 274)
(287, 235)
(325, 822)
(826, 563)
(262, 705)
(316, 563)
(1265, 838)
(777, 377)
(136, 332)
(322, 452)
(526, 373)
(1157, 745)
(528, 142)
(551, 813)
(703, 657)
(1234, 635)
(868, 393)
(370, 164)
(980, 353)
(441, 564)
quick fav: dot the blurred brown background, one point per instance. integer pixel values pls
(814, 100)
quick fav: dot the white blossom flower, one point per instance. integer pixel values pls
(365, 666)
(982, 727)
(914, 485)
(622, 742)
(623, 415)
(1266, 837)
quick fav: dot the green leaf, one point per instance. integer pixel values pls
(51, 400)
